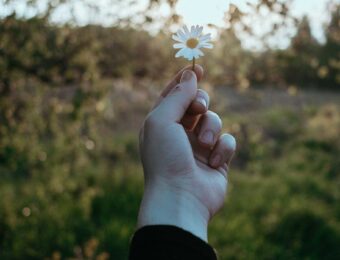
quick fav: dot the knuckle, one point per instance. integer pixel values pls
(203, 93)
(154, 121)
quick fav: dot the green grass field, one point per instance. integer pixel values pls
(71, 180)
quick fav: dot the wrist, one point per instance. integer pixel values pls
(166, 205)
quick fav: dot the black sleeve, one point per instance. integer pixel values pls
(164, 242)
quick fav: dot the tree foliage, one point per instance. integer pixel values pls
(72, 97)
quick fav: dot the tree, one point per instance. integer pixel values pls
(228, 61)
(329, 67)
(299, 61)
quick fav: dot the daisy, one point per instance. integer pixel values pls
(190, 42)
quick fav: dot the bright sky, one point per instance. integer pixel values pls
(212, 11)
(193, 12)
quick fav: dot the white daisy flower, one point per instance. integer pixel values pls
(190, 42)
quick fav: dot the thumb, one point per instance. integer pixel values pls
(173, 107)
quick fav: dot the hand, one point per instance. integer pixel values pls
(185, 158)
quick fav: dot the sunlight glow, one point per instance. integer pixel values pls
(204, 12)
(201, 12)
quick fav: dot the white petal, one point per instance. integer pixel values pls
(207, 45)
(195, 53)
(186, 31)
(176, 38)
(205, 37)
(193, 31)
(205, 41)
(184, 38)
(181, 52)
(186, 52)
(190, 55)
(181, 35)
(199, 31)
(179, 45)
(200, 53)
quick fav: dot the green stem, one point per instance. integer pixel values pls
(193, 64)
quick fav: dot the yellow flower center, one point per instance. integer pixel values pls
(192, 43)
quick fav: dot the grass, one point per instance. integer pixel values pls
(72, 189)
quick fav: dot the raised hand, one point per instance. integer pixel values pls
(185, 158)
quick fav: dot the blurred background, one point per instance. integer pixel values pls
(78, 77)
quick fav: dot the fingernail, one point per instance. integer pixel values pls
(202, 101)
(215, 161)
(186, 76)
(207, 137)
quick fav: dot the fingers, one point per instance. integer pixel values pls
(200, 104)
(176, 103)
(208, 129)
(198, 107)
(223, 151)
(176, 80)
